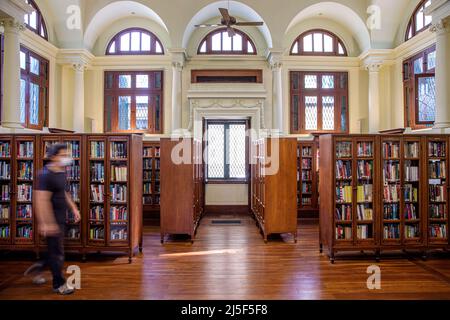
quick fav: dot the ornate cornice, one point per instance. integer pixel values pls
(440, 27)
(12, 24)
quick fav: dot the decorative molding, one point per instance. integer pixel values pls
(14, 24)
(373, 66)
(79, 66)
(15, 8)
(441, 27)
(226, 104)
(75, 57)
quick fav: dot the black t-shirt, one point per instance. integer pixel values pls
(56, 183)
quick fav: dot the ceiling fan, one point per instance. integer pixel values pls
(229, 22)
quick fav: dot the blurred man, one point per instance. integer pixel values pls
(52, 203)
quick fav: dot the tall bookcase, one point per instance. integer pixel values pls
(349, 204)
(274, 185)
(181, 217)
(73, 238)
(152, 182)
(105, 181)
(437, 192)
(307, 179)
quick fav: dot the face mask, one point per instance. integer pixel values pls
(65, 162)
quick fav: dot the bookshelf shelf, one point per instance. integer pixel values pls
(151, 199)
(307, 178)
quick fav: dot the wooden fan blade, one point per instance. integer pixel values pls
(231, 32)
(225, 15)
(250, 24)
(207, 25)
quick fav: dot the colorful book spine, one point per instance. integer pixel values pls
(391, 212)
(343, 149)
(343, 169)
(5, 149)
(97, 149)
(344, 194)
(391, 150)
(26, 149)
(365, 149)
(411, 150)
(118, 150)
(343, 213)
(4, 211)
(391, 231)
(118, 213)
(343, 233)
(5, 170)
(97, 193)
(118, 193)
(24, 211)
(4, 232)
(24, 192)
(96, 213)
(438, 231)
(119, 173)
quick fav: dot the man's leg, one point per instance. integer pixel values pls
(56, 260)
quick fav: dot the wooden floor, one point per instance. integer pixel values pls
(232, 262)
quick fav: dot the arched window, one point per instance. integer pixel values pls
(134, 41)
(318, 42)
(219, 42)
(419, 21)
(35, 22)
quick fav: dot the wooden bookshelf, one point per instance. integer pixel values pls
(151, 181)
(307, 179)
(437, 192)
(349, 202)
(111, 222)
(181, 216)
(274, 186)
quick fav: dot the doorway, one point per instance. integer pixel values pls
(226, 149)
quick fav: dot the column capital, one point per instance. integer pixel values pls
(275, 58)
(441, 26)
(373, 66)
(79, 66)
(178, 65)
(12, 24)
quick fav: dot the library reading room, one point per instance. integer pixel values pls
(225, 150)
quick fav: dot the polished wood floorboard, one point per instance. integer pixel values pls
(232, 262)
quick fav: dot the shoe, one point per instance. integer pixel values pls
(39, 280)
(64, 290)
(35, 267)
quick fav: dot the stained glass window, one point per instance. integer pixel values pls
(133, 101)
(33, 89)
(219, 42)
(136, 41)
(419, 21)
(328, 113)
(318, 42)
(426, 93)
(311, 113)
(226, 150)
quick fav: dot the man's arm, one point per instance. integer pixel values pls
(73, 207)
(44, 212)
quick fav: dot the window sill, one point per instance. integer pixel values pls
(227, 181)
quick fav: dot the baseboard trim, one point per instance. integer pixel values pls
(232, 209)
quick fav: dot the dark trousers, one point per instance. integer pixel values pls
(55, 259)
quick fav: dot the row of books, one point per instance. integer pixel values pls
(391, 231)
(307, 152)
(24, 192)
(437, 193)
(119, 173)
(97, 149)
(412, 149)
(4, 231)
(411, 193)
(410, 212)
(73, 149)
(148, 152)
(437, 149)
(5, 170)
(147, 187)
(119, 234)
(412, 231)
(411, 172)
(149, 200)
(344, 193)
(24, 232)
(26, 150)
(436, 169)
(391, 211)
(344, 212)
(343, 169)
(365, 169)
(147, 175)
(118, 150)
(306, 188)
(391, 193)
(97, 193)
(73, 233)
(118, 213)
(364, 212)
(391, 150)
(96, 213)
(6, 190)
(4, 211)
(438, 231)
(438, 211)
(5, 149)
(97, 172)
(25, 211)
(365, 149)
(73, 171)
(391, 171)
(306, 175)
(343, 150)
(147, 164)
(343, 233)
(118, 193)
(74, 191)
(306, 201)
(364, 193)
(25, 170)
(97, 233)
(364, 231)
(306, 164)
